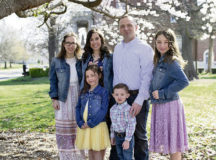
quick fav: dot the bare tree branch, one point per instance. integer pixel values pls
(48, 15)
(87, 3)
(108, 14)
(8, 7)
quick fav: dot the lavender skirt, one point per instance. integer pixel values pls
(168, 128)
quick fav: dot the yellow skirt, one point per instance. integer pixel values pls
(96, 138)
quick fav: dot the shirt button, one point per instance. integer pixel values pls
(89, 106)
(89, 114)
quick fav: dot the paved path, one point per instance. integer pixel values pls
(10, 73)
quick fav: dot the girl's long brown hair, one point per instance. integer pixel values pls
(173, 53)
(62, 52)
(96, 70)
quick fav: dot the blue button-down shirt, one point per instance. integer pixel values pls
(132, 65)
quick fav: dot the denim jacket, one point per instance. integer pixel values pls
(60, 78)
(107, 72)
(168, 79)
(97, 106)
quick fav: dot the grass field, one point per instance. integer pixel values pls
(200, 109)
(25, 106)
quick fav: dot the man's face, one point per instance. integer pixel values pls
(127, 29)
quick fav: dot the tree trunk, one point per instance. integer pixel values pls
(57, 44)
(187, 55)
(196, 52)
(210, 53)
(5, 65)
(52, 39)
(10, 64)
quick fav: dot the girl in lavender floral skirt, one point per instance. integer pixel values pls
(168, 127)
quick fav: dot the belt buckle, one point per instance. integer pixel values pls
(133, 92)
(121, 135)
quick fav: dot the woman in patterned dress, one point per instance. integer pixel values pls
(64, 88)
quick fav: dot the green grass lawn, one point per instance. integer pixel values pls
(200, 109)
(26, 106)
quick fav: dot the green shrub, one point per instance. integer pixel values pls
(38, 72)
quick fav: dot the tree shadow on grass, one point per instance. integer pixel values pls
(25, 80)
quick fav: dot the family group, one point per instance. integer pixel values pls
(101, 100)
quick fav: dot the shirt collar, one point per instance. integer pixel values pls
(121, 105)
(129, 43)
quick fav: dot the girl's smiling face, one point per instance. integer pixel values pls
(92, 79)
(70, 45)
(162, 44)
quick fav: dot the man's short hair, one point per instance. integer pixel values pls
(121, 86)
(129, 17)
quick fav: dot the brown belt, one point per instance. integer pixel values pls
(121, 135)
(134, 92)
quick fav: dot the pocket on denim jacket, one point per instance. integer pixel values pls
(61, 73)
(83, 100)
(158, 77)
(96, 103)
(60, 70)
(96, 99)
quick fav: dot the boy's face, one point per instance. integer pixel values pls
(120, 95)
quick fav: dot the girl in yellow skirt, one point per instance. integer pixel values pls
(92, 131)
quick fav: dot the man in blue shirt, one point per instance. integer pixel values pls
(132, 65)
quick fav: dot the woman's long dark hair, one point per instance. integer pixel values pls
(62, 52)
(173, 53)
(89, 51)
(94, 68)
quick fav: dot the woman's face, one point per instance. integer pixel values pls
(95, 42)
(162, 44)
(70, 45)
